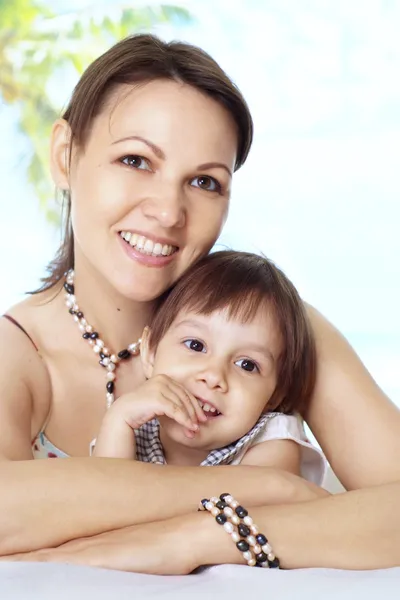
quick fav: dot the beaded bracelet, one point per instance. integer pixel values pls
(235, 519)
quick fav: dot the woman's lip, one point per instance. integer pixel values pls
(147, 260)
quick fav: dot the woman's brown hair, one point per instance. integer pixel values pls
(241, 283)
(140, 59)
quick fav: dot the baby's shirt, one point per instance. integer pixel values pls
(270, 426)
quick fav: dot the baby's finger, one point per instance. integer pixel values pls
(187, 399)
(173, 408)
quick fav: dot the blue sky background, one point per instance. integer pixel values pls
(320, 191)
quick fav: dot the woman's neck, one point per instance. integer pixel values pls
(118, 320)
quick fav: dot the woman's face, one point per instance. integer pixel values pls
(150, 190)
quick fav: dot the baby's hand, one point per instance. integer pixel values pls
(157, 397)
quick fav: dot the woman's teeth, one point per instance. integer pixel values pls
(207, 408)
(146, 246)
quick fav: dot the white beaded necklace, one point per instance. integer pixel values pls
(108, 360)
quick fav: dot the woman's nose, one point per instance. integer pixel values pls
(167, 207)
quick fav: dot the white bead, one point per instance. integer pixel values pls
(106, 361)
(271, 556)
(91, 342)
(75, 307)
(265, 565)
(111, 367)
(267, 548)
(83, 322)
(82, 327)
(100, 343)
(251, 540)
(110, 376)
(234, 504)
(68, 303)
(110, 399)
(228, 499)
(254, 530)
(247, 555)
(89, 328)
(114, 358)
(229, 528)
(106, 351)
(209, 506)
(214, 499)
(96, 348)
(251, 562)
(134, 348)
(76, 319)
(235, 536)
(257, 549)
(235, 520)
(228, 511)
(248, 521)
(72, 299)
(214, 511)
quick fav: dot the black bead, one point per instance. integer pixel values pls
(261, 539)
(241, 512)
(221, 504)
(223, 496)
(274, 564)
(110, 387)
(79, 314)
(124, 354)
(242, 545)
(69, 288)
(94, 335)
(243, 530)
(71, 311)
(262, 557)
(204, 502)
(102, 355)
(221, 518)
(86, 335)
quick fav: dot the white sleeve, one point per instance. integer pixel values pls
(291, 427)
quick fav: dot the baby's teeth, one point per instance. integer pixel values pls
(206, 408)
(157, 249)
(212, 409)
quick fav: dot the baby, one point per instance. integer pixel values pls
(230, 364)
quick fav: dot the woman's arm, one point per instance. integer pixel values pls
(356, 425)
(44, 503)
(354, 530)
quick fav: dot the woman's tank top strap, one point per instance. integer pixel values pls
(12, 320)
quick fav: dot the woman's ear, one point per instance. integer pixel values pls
(59, 153)
(146, 354)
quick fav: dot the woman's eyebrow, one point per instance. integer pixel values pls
(156, 149)
(215, 165)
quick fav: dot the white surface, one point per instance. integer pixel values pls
(19, 581)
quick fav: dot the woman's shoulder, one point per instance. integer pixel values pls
(22, 353)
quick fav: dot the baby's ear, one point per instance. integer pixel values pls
(146, 354)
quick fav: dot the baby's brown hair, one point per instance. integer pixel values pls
(241, 282)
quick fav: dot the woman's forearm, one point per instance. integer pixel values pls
(45, 503)
(354, 530)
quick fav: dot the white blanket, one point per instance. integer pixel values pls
(40, 581)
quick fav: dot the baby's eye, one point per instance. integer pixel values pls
(194, 345)
(247, 365)
(137, 162)
(207, 183)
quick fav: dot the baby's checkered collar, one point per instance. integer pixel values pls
(149, 448)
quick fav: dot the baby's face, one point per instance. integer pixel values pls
(229, 366)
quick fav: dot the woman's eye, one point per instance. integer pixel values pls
(194, 345)
(137, 162)
(247, 365)
(207, 183)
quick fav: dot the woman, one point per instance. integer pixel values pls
(144, 156)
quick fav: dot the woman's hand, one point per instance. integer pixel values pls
(159, 396)
(163, 548)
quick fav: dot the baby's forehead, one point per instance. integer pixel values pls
(264, 312)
